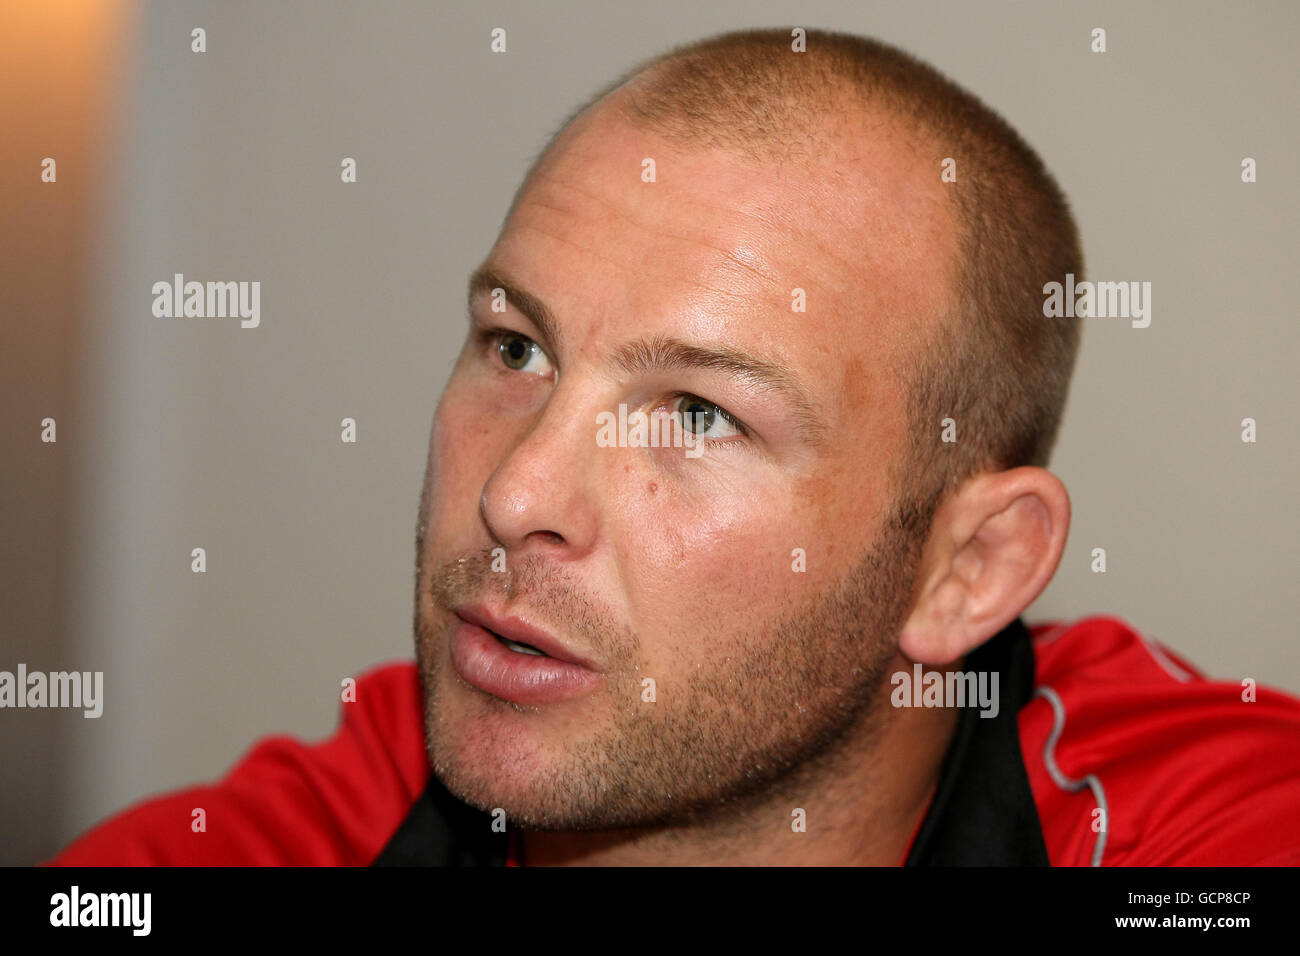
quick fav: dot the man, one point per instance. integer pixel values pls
(734, 499)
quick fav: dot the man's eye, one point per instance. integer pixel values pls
(522, 354)
(706, 419)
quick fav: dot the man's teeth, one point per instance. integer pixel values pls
(520, 648)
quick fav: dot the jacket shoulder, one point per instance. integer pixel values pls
(287, 802)
(1136, 758)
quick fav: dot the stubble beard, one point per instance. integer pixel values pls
(751, 730)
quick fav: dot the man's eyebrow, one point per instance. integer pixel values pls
(486, 278)
(665, 353)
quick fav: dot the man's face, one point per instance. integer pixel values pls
(738, 605)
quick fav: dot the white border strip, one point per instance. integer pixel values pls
(1064, 782)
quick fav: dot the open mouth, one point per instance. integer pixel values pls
(544, 673)
(516, 646)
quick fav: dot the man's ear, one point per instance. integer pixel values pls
(993, 546)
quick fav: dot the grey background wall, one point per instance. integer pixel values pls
(176, 434)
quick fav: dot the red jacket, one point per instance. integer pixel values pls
(1187, 772)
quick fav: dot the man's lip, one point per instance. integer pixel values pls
(520, 631)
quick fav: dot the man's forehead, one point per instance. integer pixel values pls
(636, 234)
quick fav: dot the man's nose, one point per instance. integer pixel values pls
(544, 493)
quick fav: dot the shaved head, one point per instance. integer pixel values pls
(990, 361)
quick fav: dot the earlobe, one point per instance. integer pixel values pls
(993, 546)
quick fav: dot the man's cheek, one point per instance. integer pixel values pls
(456, 422)
(661, 685)
(700, 578)
(465, 448)
(707, 672)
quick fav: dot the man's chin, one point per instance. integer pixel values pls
(492, 754)
(496, 780)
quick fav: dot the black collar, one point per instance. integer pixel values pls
(982, 814)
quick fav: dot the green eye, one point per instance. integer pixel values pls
(518, 352)
(697, 416)
(703, 417)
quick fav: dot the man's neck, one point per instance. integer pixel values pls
(861, 805)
